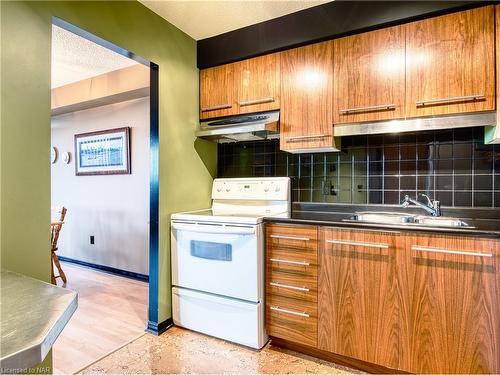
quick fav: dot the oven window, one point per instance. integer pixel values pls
(212, 250)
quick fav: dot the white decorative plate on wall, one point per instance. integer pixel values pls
(53, 155)
(66, 157)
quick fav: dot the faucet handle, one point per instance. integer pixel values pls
(406, 201)
(436, 205)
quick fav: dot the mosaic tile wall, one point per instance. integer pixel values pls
(452, 166)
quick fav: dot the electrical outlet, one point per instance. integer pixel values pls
(92, 240)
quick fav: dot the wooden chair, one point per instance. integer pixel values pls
(55, 229)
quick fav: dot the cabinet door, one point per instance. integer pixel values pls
(362, 296)
(451, 64)
(455, 310)
(217, 91)
(306, 97)
(258, 81)
(369, 80)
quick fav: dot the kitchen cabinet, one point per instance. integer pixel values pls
(410, 301)
(258, 83)
(451, 64)
(454, 307)
(306, 122)
(217, 91)
(291, 283)
(497, 61)
(363, 294)
(369, 76)
(247, 86)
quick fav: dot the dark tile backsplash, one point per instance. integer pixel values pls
(452, 166)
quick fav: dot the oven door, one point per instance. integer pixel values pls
(224, 259)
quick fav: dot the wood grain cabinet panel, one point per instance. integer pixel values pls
(258, 83)
(369, 76)
(292, 319)
(362, 296)
(451, 64)
(455, 309)
(306, 97)
(292, 283)
(497, 58)
(217, 91)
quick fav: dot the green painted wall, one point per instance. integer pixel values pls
(186, 165)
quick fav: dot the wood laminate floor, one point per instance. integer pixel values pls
(112, 311)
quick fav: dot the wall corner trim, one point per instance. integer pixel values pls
(158, 328)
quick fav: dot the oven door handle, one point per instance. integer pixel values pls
(222, 229)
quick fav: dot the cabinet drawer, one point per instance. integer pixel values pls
(292, 320)
(301, 287)
(292, 238)
(292, 261)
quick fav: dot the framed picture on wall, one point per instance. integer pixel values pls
(103, 152)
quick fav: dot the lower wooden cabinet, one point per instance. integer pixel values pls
(409, 301)
(362, 300)
(292, 283)
(454, 310)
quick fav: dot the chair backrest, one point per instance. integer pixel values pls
(58, 213)
(55, 226)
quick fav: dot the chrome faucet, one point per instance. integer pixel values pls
(432, 207)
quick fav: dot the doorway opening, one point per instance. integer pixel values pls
(104, 191)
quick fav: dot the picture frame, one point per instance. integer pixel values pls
(104, 152)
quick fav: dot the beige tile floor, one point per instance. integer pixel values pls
(112, 311)
(182, 351)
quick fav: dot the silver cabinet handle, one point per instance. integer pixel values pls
(276, 260)
(278, 285)
(364, 244)
(256, 101)
(384, 107)
(285, 311)
(216, 107)
(466, 98)
(299, 137)
(447, 251)
(278, 236)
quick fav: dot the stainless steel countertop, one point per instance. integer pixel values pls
(33, 314)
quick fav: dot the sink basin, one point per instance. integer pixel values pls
(441, 221)
(384, 217)
(403, 218)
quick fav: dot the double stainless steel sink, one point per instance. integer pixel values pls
(380, 217)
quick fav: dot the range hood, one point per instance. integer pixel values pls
(492, 133)
(247, 127)
(486, 119)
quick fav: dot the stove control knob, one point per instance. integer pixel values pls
(266, 188)
(228, 190)
(277, 189)
(219, 189)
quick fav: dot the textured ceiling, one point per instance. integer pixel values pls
(75, 58)
(203, 19)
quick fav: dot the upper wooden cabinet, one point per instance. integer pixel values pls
(246, 86)
(451, 64)
(258, 83)
(369, 80)
(217, 91)
(306, 119)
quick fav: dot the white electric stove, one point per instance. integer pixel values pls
(218, 259)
